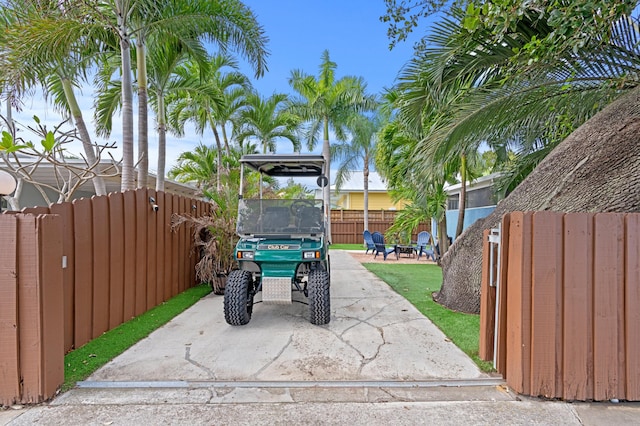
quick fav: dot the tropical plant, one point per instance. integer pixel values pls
(294, 190)
(358, 152)
(198, 167)
(227, 23)
(527, 86)
(268, 121)
(214, 105)
(23, 158)
(58, 76)
(325, 104)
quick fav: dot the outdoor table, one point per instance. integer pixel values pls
(407, 250)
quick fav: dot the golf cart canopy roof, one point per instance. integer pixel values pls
(288, 165)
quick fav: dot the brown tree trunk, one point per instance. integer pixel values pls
(594, 170)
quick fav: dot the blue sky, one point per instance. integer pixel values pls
(300, 30)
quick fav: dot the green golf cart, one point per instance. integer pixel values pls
(283, 246)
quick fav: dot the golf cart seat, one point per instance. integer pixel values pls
(310, 220)
(275, 219)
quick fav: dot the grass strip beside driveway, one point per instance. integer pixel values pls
(82, 362)
(416, 283)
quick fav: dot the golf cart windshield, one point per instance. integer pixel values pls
(269, 217)
(300, 217)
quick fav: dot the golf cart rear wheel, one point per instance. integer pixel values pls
(319, 297)
(238, 298)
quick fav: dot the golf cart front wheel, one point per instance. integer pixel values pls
(319, 297)
(238, 298)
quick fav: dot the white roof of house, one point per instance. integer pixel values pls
(355, 183)
(44, 173)
(481, 182)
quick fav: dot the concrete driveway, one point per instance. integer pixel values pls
(378, 362)
(374, 334)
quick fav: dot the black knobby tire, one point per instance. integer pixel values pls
(319, 297)
(238, 298)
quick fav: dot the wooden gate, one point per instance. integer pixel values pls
(568, 315)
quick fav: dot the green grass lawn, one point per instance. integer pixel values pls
(82, 362)
(347, 247)
(416, 283)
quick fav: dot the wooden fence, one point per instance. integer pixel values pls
(74, 271)
(347, 226)
(568, 322)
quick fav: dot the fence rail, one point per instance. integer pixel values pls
(347, 226)
(568, 323)
(72, 272)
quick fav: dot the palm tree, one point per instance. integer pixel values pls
(527, 111)
(214, 104)
(58, 76)
(228, 24)
(197, 167)
(359, 152)
(325, 103)
(267, 120)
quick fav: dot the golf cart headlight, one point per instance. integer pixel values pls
(311, 255)
(247, 255)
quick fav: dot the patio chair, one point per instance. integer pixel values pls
(423, 245)
(378, 240)
(369, 241)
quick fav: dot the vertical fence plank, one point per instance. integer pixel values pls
(142, 207)
(195, 211)
(29, 315)
(577, 367)
(632, 305)
(501, 298)
(184, 247)
(181, 246)
(83, 277)
(101, 265)
(65, 211)
(175, 242)
(159, 261)
(152, 271)
(608, 287)
(129, 284)
(487, 303)
(9, 337)
(116, 255)
(51, 303)
(546, 313)
(168, 247)
(518, 302)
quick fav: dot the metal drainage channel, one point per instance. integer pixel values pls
(194, 384)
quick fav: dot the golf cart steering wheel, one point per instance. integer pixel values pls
(298, 205)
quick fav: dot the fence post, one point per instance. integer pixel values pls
(632, 305)
(546, 303)
(487, 303)
(51, 303)
(519, 303)
(577, 365)
(9, 338)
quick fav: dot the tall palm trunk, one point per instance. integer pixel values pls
(326, 191)
(143, 115)
(127, 181)
(226, 141)
(162, 142)
(216, 136)
(76, 113)
(366, 192)
(463, 194)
